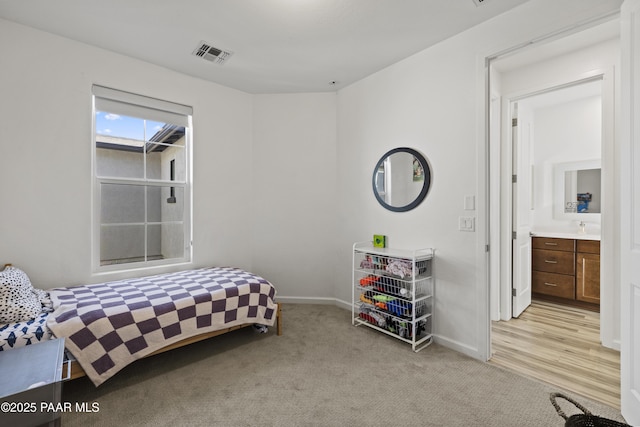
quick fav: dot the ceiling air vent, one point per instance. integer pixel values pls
(479, 2)
(210, 53)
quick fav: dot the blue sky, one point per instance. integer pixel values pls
(114, 125)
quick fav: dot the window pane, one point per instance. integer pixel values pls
(168, 238)
(121, 142)
(115, 163)
(164, 205)
(176, 153)
(140, 142)
(154, 130)
(154, 241)
(161, 154)
(154, 165)
(121, 203)
(121, 244)
(119, 129)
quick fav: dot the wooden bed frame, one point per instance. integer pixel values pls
(75, 370)
(72, 369)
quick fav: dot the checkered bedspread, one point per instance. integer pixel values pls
(109, 325)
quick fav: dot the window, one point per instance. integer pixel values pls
(141, 175)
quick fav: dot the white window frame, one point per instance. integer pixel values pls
(163, 110)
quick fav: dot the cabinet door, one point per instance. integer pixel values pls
(588, 278)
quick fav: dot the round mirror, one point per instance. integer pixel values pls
(401, 179)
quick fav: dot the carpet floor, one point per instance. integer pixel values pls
(321, 372)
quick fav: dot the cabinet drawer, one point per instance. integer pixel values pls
(588, 246)
(567, 245)
(559, 285)
(554, 261)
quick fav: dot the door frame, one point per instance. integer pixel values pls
(609, 313)
(630, 214)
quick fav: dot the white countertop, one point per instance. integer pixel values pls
(558, 235)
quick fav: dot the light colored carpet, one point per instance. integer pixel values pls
(321, 372)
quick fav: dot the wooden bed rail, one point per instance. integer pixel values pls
(77, 371)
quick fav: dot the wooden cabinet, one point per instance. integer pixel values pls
(588, 271)
(553, 267)
(566, 270)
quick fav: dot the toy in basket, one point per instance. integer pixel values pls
(586, 419)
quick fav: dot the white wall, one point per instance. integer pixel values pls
(294, 193)
(45, 160)
(425, 103)
(567, 132)
(434, 101)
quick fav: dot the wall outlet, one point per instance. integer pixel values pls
(467, 223)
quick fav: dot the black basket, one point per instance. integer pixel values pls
(586, 419)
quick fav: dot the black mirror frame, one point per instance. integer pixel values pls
(425, 186)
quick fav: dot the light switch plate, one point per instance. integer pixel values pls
(469, 203)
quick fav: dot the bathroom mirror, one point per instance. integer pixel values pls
(577, 190)
(401, 179)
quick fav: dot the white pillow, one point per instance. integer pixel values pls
(18, 302)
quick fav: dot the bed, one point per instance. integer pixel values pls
(27, 332)
(109, 325)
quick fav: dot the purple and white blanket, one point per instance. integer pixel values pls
(109, 325)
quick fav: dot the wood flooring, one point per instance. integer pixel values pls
(559, 345)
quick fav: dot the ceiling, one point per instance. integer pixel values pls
(279, 46)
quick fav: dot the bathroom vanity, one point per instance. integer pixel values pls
(566, 269)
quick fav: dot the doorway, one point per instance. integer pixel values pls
(515, 79)
(557, 129)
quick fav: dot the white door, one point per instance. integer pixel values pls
(521, 212)
(630, 213)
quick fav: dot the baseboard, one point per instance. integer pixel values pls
(615, 345)
(305, 300)
(343, 304)
(314, 300)
(445, 342)
(457, 346)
